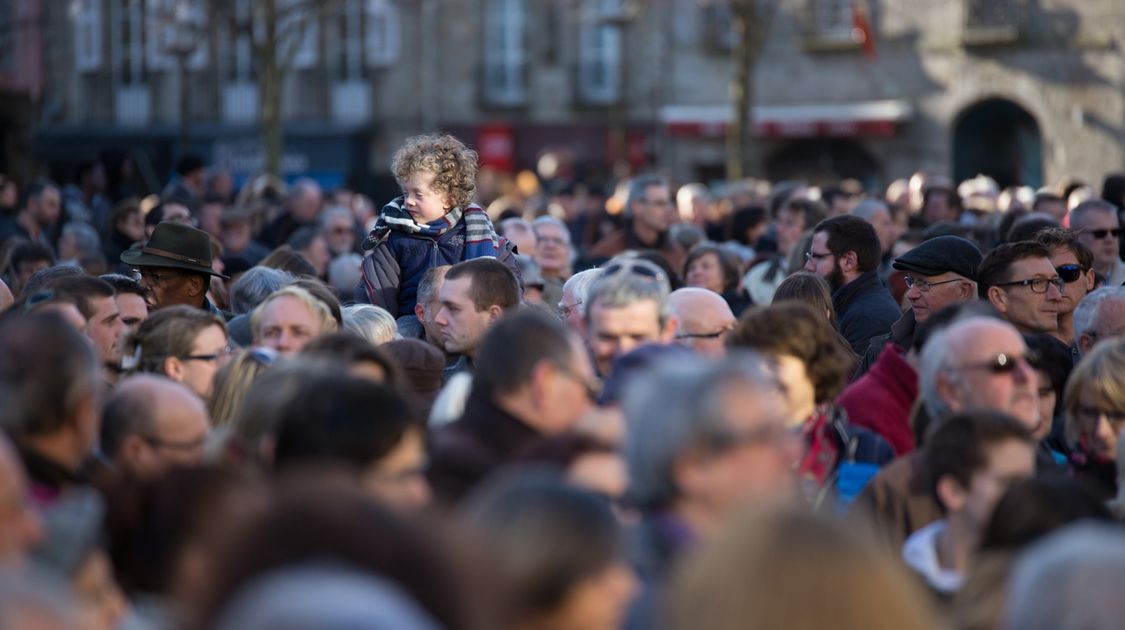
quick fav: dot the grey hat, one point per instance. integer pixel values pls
(941, 254)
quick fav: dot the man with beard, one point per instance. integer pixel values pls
(845, 251)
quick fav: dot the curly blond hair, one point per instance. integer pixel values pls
(453, 164)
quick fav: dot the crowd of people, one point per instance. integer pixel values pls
(543, 403)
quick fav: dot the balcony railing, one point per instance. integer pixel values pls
(133, 105)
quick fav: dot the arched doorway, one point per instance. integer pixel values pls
(823, 161)
(1000, 139)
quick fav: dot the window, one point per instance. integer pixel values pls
(87, 35)
(831, 19)
(381, 38)
(298, 32)
(175, 27)
(160, 33)
(991, 21)
(504, 54)
(599, 44)
(127, 45)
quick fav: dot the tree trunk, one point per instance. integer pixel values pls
(743, 21)
(269, 90)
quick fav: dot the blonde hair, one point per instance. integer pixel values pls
(315, 306)
(233, 380)
(794, 570)
(453, 164)
(1096, 382)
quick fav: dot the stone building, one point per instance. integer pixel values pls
(1023, 90)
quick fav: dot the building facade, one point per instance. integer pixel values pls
(1026, 91)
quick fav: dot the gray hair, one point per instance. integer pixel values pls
(343, 271)
(637, 187)
(254, 286)
(1088, 311)
(579, 284)
(937, 358)
(625, 288)
(1086, 207)
(85, 238)
(515, 224)
(1054, 582)
(373, 323)
(304, 186)
(549, 220)
(679, 406)
(331, 212)
(867, 209)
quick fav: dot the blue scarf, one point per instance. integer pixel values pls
(480, 237)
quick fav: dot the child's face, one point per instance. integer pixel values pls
(423, 202)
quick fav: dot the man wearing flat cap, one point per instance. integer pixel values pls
(175, 267)
(939, 272)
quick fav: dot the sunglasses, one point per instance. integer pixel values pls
(637, 267)
(1100, 234)
(1069, 273)
(1003, 363)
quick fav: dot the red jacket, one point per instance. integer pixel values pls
(881, 400)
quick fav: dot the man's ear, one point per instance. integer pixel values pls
(947, 391)
(669, 332)
(495, 313)
(195, 285)
(419, 312)
(849, 261)
(1085, 343)
(1090, 280)
(968, 291)
(999, 299)
(951, 494)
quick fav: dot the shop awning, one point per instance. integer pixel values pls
(802, 120)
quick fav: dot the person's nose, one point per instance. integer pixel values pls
(1053, 292)
(440, 319)
(913, 292)
(810, 266)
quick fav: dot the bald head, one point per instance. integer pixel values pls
(980, 363)
(5, 296)
(152, 423)
(703, 320)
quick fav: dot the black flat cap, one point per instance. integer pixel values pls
(941, 254)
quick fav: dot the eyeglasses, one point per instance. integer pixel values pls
(593, 389)
(925, 285)
(222, 354)
(769, 434)
(811, 256)
(1037, 285)
(156, 442)
(157, 278)
(1002, 363)
(712, 335)
(1070, 273)
(1115, 419)
(1100, 234)
(566, 310)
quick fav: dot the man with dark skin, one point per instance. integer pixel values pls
(175, 267)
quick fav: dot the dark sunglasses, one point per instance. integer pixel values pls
(637, 267)
(1003, 363)
(1069, 273)
(1100, 234)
